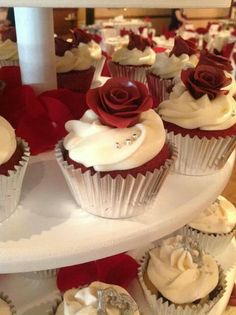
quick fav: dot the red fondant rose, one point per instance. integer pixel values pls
(139, 42)
(119, 102)
(61, 46)
(80, 36)
(220, 62)
(205, 79)
(182, 46)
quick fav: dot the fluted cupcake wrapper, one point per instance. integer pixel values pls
(209, 242)
(161, 307)
(98, 64)
(136, 73)
(7, 63)
(10, 185)
(114, 198)
(6, 298)
(41, 274)
(159, 88)
(201, 156)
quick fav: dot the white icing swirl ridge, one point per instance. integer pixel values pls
(168, 67)
(187, 112)
(220, 217)
(85, 301)
(93, 144)
(8, 50)
(7, 141)
(134, 57)
(182, 274)
(91, 48)
(73, 61)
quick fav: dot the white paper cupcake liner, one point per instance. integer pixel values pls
(159, 88)
(136, 73)
(113, 198)
(201, 156)
(161, 307)
(6, 298)
(7, 63)
(42, 274)
(10, 186)
(214, 244)
(98, 64)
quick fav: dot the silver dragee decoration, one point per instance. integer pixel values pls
(110, 297)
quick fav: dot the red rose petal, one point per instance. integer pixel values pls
(76, 276)
(119, 270)
(214, 60)
(182, 46)
(205, 79)
(119, 102)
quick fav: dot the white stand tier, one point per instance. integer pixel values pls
(118, 3)
(33, 295)
(48, 230)
(35, 40)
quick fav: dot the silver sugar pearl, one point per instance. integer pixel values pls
(134, 136)
(128, 141)
(233, 113)
(117, 145)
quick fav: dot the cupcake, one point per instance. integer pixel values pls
(132, 60)
(167, 68)
(74, 71)
(115, 158)
(6, 306)
(200, 118)
(85, 45)
(8, 48)
(215, 227)
(179, 278)
(14, 156)
(97, 298)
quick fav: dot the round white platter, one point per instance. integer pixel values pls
(48, 229)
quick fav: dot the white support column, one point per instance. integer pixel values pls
(35, 40)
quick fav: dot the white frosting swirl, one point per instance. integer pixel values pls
(8, 50)
(73, 61)
(7, 141)
(182, 274)
(91, 48)
(93, 144)
(134, 57)
(85, 301)
(190, 113)
(220, 217)
(168, 67)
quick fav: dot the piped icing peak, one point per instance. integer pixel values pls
(219, 217)
(181, 272)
